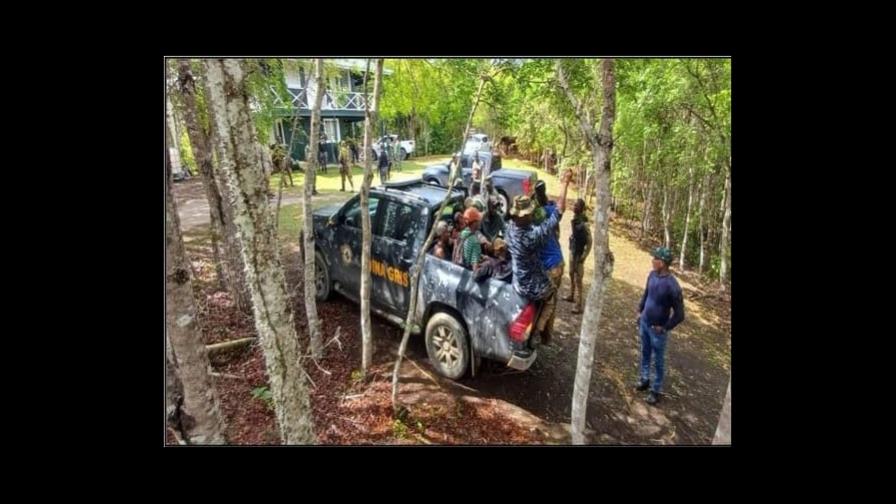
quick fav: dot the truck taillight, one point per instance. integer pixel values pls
(527, 184)
(522, 324)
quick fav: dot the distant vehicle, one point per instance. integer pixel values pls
(477, 142)
(407, 146)
(508, 182)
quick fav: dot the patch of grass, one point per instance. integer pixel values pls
(399, 429)
(332, 182)
(264, 394)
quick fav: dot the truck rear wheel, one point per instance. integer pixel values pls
(447, 346)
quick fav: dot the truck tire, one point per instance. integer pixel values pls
(322, 277)
(404, 154)
(447, 346)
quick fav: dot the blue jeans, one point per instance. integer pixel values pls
(652, 343)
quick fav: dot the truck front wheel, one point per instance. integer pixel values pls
(321, 277)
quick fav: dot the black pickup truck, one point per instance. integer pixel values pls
(462, 320)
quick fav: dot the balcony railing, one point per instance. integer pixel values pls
(333, 100)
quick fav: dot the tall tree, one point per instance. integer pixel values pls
(308, 225)
(370, 117)
(229, 264)
(602, 148)
(725, 243)
(703, 189)
(199, 418)
(241, 167)
(687, 219)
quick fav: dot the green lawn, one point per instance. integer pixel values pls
(332, 181)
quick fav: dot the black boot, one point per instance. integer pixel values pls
(653, 398)
(642, 386)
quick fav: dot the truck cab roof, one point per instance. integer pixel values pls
(417, 190)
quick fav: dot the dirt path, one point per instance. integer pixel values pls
(192, 206)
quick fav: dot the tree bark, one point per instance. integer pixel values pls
(725, 245)
(687, 218)
(230, 269)
(703, 189)
(723, 430)
(370, 113)
(666, 214)
(241, 168)
(199, 417)
(308, 224)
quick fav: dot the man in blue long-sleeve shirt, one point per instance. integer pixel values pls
(661, 295)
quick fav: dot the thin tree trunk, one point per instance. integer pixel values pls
(174, 140)
(665, 214)
(308, 224)
(421, 254)
(703, 189)
(199, 419)
(723, 430)
(602, 150)
(370, 115)
(645, 220)
(687, 218)
(725, 245)
(216, 221)
(231, 268)
(241, 168)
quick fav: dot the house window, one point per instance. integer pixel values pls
(331, 129)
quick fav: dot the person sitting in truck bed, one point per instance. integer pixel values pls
(498, 267)
(492, 222)
(457, 255)
(442, 249)
(469, 239)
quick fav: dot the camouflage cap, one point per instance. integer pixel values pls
(522, 206)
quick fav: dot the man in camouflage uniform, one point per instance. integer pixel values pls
(282, 163)
(345, 171)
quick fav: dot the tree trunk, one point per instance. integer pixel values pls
(241, 168)
(199, 419)
(665, 214)
(231, 268)
(723, 430)
(308, 224)
(602, 150)
(370, 113)
(725, 245)
(172, 137)
(645, 221)
(421, 254)
(687, 218)
(704, 186)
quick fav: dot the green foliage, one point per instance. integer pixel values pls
(263, 394)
